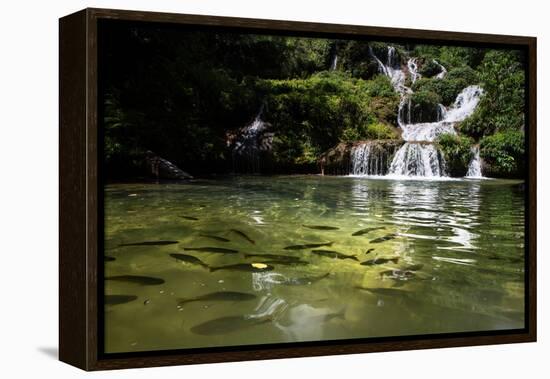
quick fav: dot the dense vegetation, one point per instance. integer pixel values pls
(180, 93)
(457, 151)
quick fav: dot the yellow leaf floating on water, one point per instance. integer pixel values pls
(259, 265)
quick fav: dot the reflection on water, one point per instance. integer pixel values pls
(446, 256)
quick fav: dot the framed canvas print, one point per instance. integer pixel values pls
(236, 189)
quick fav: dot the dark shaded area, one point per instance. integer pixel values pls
(218, 102)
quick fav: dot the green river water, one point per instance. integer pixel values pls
(456, 250)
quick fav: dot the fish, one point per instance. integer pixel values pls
(282, 258)
(387, 237)
(226, 324)
(189, 259)
(334, 254)
(243, 235)
(149, 243)
(216, 238)
(369, 251)
(380, 261)
(211, 249)
(306, 280)
(398, 274)
(247, 267)
(142, 280)
(219, 296)
(118, 299)
(286, 263)
(414, 267)
(366, 230)
(190, 218)
(308, 246)
(109, 259)
(321, 227)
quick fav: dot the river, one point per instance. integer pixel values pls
(443, 256)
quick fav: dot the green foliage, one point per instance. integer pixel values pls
(504, 153)
(380, 131)
(455, 56)
(502, 107)
(450, 56)
(380, 86)
(182, 93)
(429, 69)
(356, 59)
(450, 86)
(456, 151)
(426, 52)
(465, 73)
(327, 107)
(304, 56)
(424, 106)
(375, 130)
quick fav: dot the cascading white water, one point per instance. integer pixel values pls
(464, 105)
(418, 159)
(443, 71)
(474, 168)
(250, 142)
(392, 69)
(413, 70)
(334, 63)
(419, 156)
(370, 158)
(423, 159)
(441, 112)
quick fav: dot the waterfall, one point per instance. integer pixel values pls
(334, 62)
(419, 156)
(443, 71)
(465, 104)
(474, 168)
(392, 69)
(370, 158)
(413, 69)
(418, 159)
(441, 112)
(248, 145)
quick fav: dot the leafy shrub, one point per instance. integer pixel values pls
(450, 86)
(378, 130)
(429, 69)
(504, 153)
(324, 109)
(465, 73)
(457, 152)
(502, 77)
(424, 106)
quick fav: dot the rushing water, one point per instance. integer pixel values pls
(334, 62)
(251, 141)
(474, 168)
(370, 158)
(456, 248)
(419, 157)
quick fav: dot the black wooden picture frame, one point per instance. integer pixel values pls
(80, 195)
